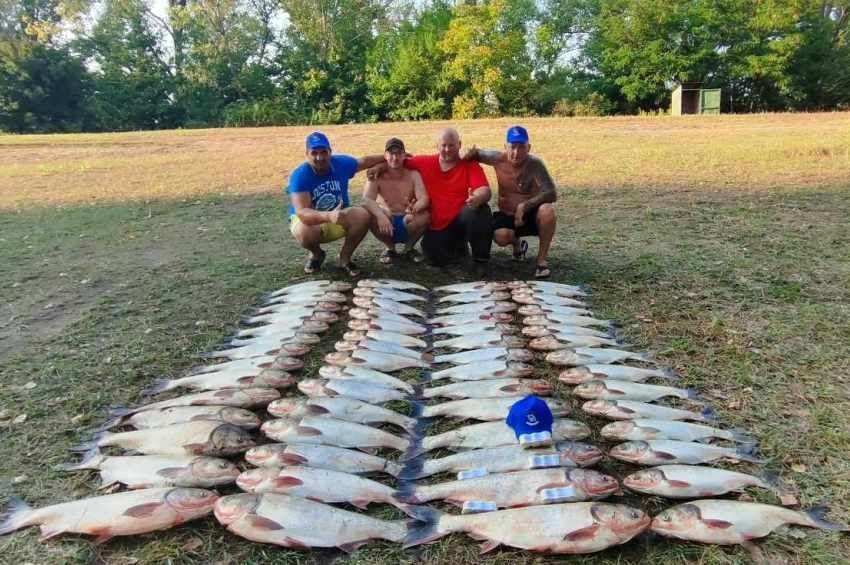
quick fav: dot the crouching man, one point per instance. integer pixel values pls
(527, 197)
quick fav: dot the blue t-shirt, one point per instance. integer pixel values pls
(326, 191)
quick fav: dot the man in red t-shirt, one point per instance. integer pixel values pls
(459, 195)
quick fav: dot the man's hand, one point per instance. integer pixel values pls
(470, 154)
(334, 215)
(385, 226)
(373, 173)
(476, 199)
(519, 215)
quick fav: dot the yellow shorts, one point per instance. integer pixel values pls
(330, 232)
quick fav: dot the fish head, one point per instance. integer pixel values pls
(346, 346)
(500, 295)
(506, 329)
(279, 426)
(677, 519)
(530, 310)
(360, 325)
(228, 509)
(313, 326)
(536, 331)
(362, 301)
(558, 407)
(359, 314)
(536, 320)
(354, 336)
(214, 470)
(520, 369)
(617, 430)
(644, 479)
(521, 355)
(545, 343)
(582, 454)
(623, 520)
(312, 387)
(365, 291)
(260, 455)
(338, 357)
(632, 451)
(330, 371)
(306, 338)
(569, 428)
(191, 501)
(540, 388)
(513, 342)
(590, 389)
(250, 480)
(325, 316)
(288, 408)
(239, 417)
(599, 407)
(338, 286)
(325, 306)
(592, 482)
(260, 396)
(228, 438)
(274, 378)
(523, 297)
(286, 363)
(504, 307)
(575, 376)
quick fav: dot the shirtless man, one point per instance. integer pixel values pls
(398, 203)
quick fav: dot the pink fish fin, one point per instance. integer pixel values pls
(329, 392)
(291, 459)
(315, 410)
(246, 380)
(195, 448)
(478, 537)
(225, 393)
(599, 375)
(262, 523)
(582, 534)
(102, 535)
(142, 510)
(500, 373)
(719, 524)
(352, 546)
(552, 485)
(48, 532)
(170, 472)
(664, 455)
(361, 503)
(307, 431)
(625, 410)
(287, 482)
(294, 543)
(369, 450)
(678, 484)
(509, 388)
(488, 546)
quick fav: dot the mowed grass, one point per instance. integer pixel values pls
(720, 243)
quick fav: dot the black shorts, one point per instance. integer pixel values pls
(502, 221)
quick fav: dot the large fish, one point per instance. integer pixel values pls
(472, 286)
(517, 488)
(341, 407)
(540, 299)
(564, 341)
(330, 431)
(479, 340)
(486, 354)
(691, 481)
(299, 523)
(285, 334)
(388, 337)
(176, 414)
(727, 522)
(578, 527)
(323, 485)
(383, 347)
(320, 297)
(661, 452)
(472, 318)
(643, 429)
(392, 294)
(282, 347)
(540, 331)
(575, 356)
(484, 370)
(543, 309)
(468, 297)
(123, 514)
(364, 375)
(489, 306)
(557, 286)
(386, 325)
(320, 457)
(485, 409)
(267, 378)
(387, 305)
(371, 393)
(502, 459)
(374, 360)
(148, 471)
(494, 434)
(555, 319)
(633, 409)
(595, 372)
(323, 286)
(474, 328)
(490, 388)
(250, 366)
(239, 397)
(258, 349)
(379, 315)
(390, 283)
(609, 389)
(201, 437)
(283, 321)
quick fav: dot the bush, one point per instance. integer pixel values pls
(594, 104)
(263, 112)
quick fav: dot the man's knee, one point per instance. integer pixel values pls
(356, 218)
(546, 214)
(503, 237)
(306, 235)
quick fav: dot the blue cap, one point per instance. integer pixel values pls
(530, 415)
(517, 134)
(318, 140)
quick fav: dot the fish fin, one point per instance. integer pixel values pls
(488, 546)
(582, 534)
(307, 431)
(416, 394)
(369, 450)
(195, 448)
(818, 517)
(664, 455)
(47, 532)
(91, 460)
(262, 523)
(510, 388)
(94, 443)
(678, 484)
(708, 414)
(142, 510)
(157, 386)
(294, 543)
(426, 529)
(285, 482)
(292, 459)
(770, 481)
(748, 452)
(361, 503)
(717, 524)
(315, 410)
(102, 535)
(14, 515)
(741, 435)
(352, 546)
(170, 472)
(414, 450)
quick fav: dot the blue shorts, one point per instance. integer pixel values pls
(400, 234)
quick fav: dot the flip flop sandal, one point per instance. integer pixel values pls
(314, 263)
(413, 255)
(523, 249)
(542, 272)
(387, 256)
(351, 270)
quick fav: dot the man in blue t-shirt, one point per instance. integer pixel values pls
(319, 209)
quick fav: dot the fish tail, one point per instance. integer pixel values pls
(427, 377)
(748, 453)
(91, 460)
(418, 409)
(667, 372)
(817, 519)
(692, 394)
(741, 435)
(414, 449)
(708, 414)
(770, 480)
(413, 469)
(406, 494)
(156, 387)
(426, 529)
(14, 515)
(87, 446)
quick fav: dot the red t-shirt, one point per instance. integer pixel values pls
(448, 190)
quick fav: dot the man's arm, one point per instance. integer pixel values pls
(423, 203)
(486, 156)
(479, 196)
(302, 204)
(368, 162)
(370, 202)
(547, 193)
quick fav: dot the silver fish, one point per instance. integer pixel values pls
(490, 388)
(472, 286)
(557, 286)
(320, 457)
(577, 527)
(485, 409)
(661, 452)
(386, 325)
(479, 340)
(177, 414)
(390, 283)
(555, 319)
(609, 389)
(540, 299)
(389, 337)
(486, 354)
(643, 429)
(593, 372)
(573, 356)
(299, 523)
(556, 342)
(268, 378)
(390, 293)
(540, 331)
(728, 522)
(378, 314)
(341, 407)
(691, 481)
(323, 285)
(385, 347)
(330, 431)
(252, 366)
(475, 328)
(287, 346)
(387, 305)
(543, 309)
(489, 306)
(484, 370)
(240, 397)
(201, 437)
(517, 488)
(308, 325)
(371, 393)
(364, 375)
(465, 297)
(472, 318)
(122, 514)
(632, 409)
(374, 360)
(502, 459)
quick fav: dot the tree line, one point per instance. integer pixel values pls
(112, 65)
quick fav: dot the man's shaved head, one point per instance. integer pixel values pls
(448, 145)
(448, 134)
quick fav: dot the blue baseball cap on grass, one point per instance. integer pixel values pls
(517, 134)
(530, 415)
(317, 140)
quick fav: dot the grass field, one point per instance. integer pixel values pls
(720, 243)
